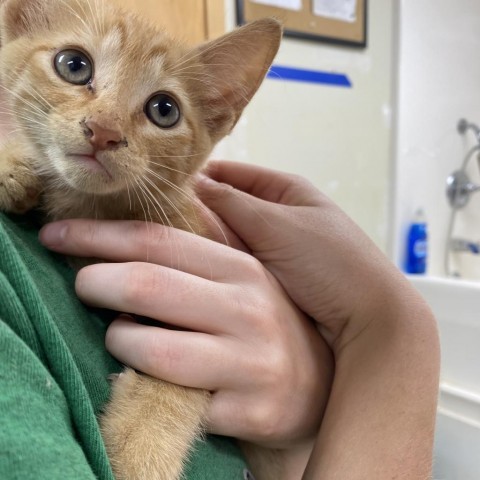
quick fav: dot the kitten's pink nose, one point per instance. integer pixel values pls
(103, 138)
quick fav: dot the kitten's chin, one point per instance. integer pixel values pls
(86, 174)
(90, 163)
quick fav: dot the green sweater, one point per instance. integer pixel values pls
(53, 373)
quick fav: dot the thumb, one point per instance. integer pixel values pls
(250, 218)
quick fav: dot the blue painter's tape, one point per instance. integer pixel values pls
(309, 76)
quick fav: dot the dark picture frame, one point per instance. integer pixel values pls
(304, 24)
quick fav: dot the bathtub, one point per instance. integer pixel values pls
(456, 305)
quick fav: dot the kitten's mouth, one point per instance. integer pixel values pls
(91, 162)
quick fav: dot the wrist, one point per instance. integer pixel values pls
(281, 464)
(388, 308)
(380, 418)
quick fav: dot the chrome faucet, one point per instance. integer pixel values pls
(459, 190)
(464, 125)
(463, 245)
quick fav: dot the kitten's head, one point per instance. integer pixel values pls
(111, 103)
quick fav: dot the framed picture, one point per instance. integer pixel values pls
(336, 21)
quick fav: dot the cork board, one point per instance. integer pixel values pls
(337, 21)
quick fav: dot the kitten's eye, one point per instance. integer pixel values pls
(74, 66)
(163, 110)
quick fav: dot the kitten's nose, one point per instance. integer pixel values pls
(103, 138)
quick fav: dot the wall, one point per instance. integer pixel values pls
(439, 83)
(339, 138)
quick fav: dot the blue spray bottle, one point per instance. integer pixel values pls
(417, 245)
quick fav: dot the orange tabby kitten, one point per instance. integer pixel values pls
(113, 117)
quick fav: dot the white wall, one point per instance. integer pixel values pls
(439, 82)
(339, 138)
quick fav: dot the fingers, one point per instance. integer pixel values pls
(252, 219)
(185, 358)
(127, 241)
(254, 202)
(156, 292)
(264, 183)
(218, 230)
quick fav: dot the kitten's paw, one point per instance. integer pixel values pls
(149, 426)
(19, 188)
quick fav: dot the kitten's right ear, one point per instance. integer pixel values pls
(23, 17)
(234, 67)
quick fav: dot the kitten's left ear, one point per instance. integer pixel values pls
(23, 17)
(234, 66)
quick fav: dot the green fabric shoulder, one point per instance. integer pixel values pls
(54, 369)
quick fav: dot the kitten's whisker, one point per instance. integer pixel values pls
(177, 156)
(41, 98)
(30, 121)
(32, 90)
(72, 10)
(94, 207)
(39, 121)
(94, 16)
(16, 115)
(194, 70)
(193, 54)
(139, 182)
(211, 86)
(170, 224)
(193, 199)
(36, 110)
(141, 203)
(169, 183)
(26, 102)
(9, 134)
(148, 195)
(129, 198)
(171, 203)
(161, 165)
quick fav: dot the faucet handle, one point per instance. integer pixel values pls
(463, 245)
(459, 189)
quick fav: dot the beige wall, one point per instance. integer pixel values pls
(338, 138)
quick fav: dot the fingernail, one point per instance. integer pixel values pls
(53, 234)
(204, 180)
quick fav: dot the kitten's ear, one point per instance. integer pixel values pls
(22, 17)
(234, 67)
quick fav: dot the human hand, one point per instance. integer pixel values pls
(245, 340)
(325, 262)
(380, 417)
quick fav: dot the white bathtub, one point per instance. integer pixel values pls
(456, 304)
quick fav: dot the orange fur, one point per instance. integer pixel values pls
(137, 170)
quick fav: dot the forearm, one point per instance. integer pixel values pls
(380, 418)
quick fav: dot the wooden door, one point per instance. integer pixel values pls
(192, 20)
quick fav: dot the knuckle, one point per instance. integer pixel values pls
(86, 234)
(148, 235)
(253, 310)
(160, 356)
(276, 369)
(264, 420)
(259, 312)
(253, 269)
(141, 283)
